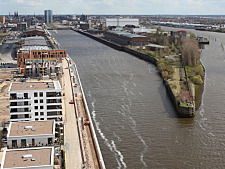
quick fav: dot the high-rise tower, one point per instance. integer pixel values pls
(48, 16)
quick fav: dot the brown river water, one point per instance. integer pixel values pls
(134, 119)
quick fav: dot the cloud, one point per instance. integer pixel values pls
(144, 7)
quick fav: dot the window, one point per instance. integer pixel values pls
(41, 107)
(35, 94)
(33, 142)
(14, 143)
(41, 101)
(36, 119)
(42, 118)
(35, 101)
(41, 94)
(36, 107)
(42, 113)
(49, 140)
(23, 142)
(36, 113)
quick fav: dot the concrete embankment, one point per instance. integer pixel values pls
(183, 111)
(87, 151)
(97, 149)
(140, 55)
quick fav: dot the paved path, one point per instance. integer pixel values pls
(71, 138)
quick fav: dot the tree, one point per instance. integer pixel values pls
(190, 51)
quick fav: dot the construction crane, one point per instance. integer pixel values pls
(22, 42)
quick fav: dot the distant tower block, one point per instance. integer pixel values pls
(48, 16)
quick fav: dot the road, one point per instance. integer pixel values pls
(71, 138)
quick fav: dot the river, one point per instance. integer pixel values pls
(135, 122)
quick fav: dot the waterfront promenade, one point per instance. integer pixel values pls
(71, 138)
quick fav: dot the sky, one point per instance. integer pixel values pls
(115, 7)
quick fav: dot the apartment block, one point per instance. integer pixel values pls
(28, 158)
(31, 134)
(34, 101)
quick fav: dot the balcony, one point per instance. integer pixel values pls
(20, 103)
(19, 98)
(20, 110)
(54, 101)
(58, 113)
(53, 94)
(53, 107)
(20, 117)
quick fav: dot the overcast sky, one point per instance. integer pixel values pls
(145, 7)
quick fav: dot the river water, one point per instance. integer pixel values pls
(135, 122)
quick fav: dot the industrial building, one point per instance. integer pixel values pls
(34, 31)
(28, 158)
(31, 134)
(48, 16)
(122, 22)
(33, 101)
(125, 38)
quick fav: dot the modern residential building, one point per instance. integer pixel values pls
(33, 101)
(31, 134)
(38, 48)
(121, 22)
(28, 158)
(125, 38)
(42, 68)
(48, 16)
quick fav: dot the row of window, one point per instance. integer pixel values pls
(36, 101)
(24, 142)
(41, 114)
(40, 94)
(36, 107)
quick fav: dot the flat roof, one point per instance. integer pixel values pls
(127, 34)
(14, 158)
(20, 86)
(31, 128)
(35, 41)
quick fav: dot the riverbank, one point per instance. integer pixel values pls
(80, 138)
(185, 106)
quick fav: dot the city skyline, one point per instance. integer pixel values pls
(129, 7)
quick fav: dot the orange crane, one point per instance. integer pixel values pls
(22, 42)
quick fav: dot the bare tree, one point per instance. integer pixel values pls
(190, 51)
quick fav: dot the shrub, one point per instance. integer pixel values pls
(197, 80)
(199, 70)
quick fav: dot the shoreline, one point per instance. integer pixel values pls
(182, 110)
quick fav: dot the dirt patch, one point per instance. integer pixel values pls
(4, 101)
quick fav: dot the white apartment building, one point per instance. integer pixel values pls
(28, 158)
(31, 134)
(34, 101)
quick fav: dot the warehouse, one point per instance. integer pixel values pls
(125, 38)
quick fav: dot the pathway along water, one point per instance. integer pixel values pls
(135, 122)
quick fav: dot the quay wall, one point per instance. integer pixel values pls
(92, 129)
(181, 110)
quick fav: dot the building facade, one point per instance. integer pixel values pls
(48, 16)
(31, 134)
(121, 22)
(125, 38)
(34, 101)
